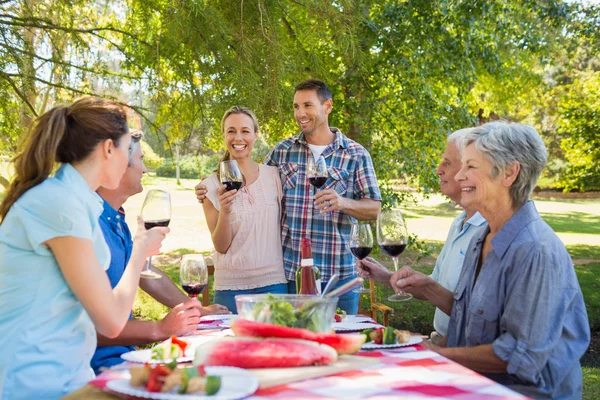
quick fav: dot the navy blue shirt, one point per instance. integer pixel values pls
(527, 303)
(118, 237)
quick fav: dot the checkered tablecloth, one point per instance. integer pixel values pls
(407, 373)
(404, 373)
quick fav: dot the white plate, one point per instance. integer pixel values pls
(372, 346)
(353, 326)
(145, 356)
(218, 317)
(357, 318)
(236, 383)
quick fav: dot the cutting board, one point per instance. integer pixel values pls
(268, 377)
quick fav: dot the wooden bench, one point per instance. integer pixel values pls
(377, 307)
(210, 266)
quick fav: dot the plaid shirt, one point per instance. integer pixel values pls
(351, 175)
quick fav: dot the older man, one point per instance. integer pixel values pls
(466, 225)
(184, 315)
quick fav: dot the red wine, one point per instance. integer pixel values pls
(317, 181)
(393, 250)
(232, 185)
(361, 252)
(160, 222)
(194, 289)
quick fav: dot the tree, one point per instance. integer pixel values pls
(403, 73)
(52, 52)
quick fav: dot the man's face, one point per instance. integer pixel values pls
(447, 170)
(309, 112)
(131, 183)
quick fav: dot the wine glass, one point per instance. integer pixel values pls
(392, 237)
(231, 176)
(156, 211)
(316, 170)
(361, 244)
(193, 274)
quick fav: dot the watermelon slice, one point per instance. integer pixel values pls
(343, 344)
(245, 352)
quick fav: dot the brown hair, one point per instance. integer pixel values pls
(65, 135)
(323, 92)
(235, 110)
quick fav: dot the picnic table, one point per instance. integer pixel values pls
(407, 372)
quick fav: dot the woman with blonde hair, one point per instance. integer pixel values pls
(245, 224)
(53, 288)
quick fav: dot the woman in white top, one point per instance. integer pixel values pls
(245, 224)
(53, 288)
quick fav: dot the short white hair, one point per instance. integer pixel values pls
(456, 136)
(504, 143)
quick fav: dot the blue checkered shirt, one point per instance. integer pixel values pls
(351, 175)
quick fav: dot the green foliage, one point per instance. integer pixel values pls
(580, 127)
(151, 159)
(404, 74)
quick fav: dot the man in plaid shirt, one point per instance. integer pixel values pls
(326, 215)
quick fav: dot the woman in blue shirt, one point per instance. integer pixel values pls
(517, 314)
(53, 288)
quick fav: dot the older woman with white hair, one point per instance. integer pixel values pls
(517, 314)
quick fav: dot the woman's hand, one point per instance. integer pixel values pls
(149, 241)
(226, 199)
(371, 269)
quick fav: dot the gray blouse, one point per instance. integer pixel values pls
(528, 304)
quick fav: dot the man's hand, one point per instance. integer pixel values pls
(181, 320)
(215, 309)
(328, 200)
(371, 269)
(408, 280)
(429, 345)
(200, 192)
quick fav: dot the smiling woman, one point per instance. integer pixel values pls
(245, 224)
(517, 314)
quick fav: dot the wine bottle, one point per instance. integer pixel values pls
(307, 276)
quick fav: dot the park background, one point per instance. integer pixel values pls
(404, 74)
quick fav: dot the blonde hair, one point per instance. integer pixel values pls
(235, 110)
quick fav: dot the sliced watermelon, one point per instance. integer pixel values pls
(343, 344)
(245, 352)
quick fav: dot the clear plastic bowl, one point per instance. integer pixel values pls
(294, 310)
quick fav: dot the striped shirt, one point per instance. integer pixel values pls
(351, 175)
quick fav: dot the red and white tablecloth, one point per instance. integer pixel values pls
(404, 373)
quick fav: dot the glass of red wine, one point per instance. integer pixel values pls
(156, 211)
(392, 238)
(231, 176)
(316, 170)
(361, 244)
(193, 274)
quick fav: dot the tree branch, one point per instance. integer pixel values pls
(18, 92)
(68, 64)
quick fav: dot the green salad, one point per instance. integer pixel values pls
(311, 315)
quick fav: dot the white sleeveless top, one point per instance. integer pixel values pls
(254, 258)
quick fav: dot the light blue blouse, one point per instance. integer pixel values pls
(527, 303)
(450, 261)
(46, 336)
